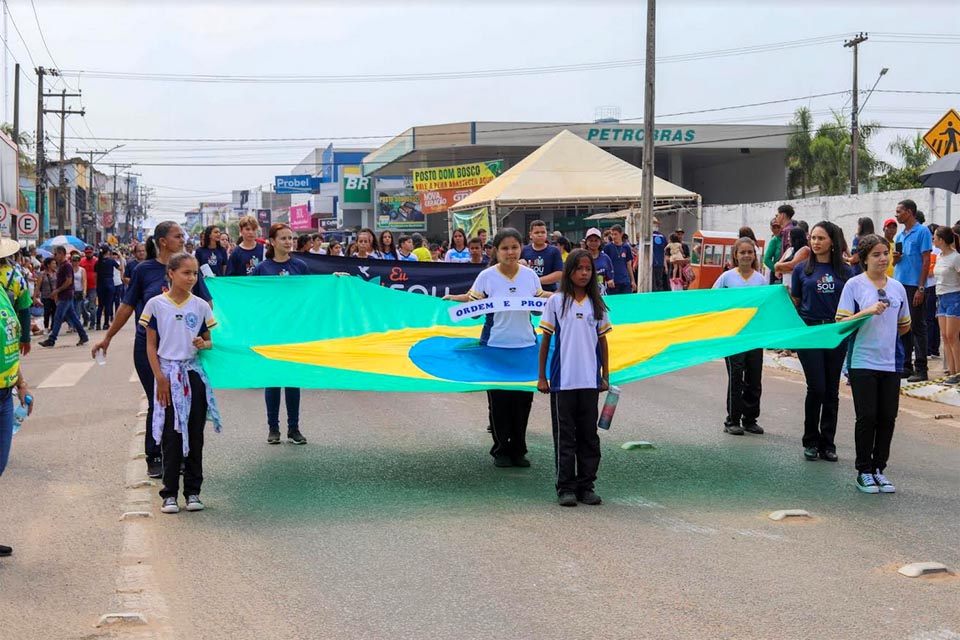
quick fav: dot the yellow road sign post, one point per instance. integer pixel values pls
(944, 137)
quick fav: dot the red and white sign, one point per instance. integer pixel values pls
(4, 217)
(28, 226)
(300, 219)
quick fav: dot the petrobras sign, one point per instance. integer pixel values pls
(292, 184)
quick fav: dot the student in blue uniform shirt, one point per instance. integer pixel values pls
(543, 258)
(601, 261)
(658, 243)
(249, 253)
(210, 252)
(621, 255)
(149, 280)
(279, 262)
(816, 287)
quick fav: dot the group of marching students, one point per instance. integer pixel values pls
(881, 280)
(171, 305)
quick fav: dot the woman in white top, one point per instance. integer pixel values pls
(744, 370)
(509, 409)
(458, 251)
(875, 359)
(947, 274)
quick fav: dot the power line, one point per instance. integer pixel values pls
(17, 29)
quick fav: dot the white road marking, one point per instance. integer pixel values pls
(66, 375)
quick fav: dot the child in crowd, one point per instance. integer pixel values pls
(335, 248)
(675, 250)
(178, 325)
(249, 253)
(577, 319)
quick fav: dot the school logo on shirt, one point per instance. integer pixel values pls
(252, 265)
(579, 315)
(513, 289)
(283, 272)
(212, 260)
(538, 265)
(826, 284)
(192, 320)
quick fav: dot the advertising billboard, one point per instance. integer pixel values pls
(300, 218)
(399, 210)
(442, 187)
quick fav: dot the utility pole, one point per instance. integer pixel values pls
(16, 139)
(62, 199)
(644, 255)
(113, 200)
(6, 72)
(129, 206)
(41, 166)
(854, 128)
(93, 198)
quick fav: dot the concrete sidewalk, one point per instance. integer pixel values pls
(933, 391)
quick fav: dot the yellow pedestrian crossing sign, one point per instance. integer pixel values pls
(944, 137)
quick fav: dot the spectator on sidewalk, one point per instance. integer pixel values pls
(89, 264)
(64, 291)
(772, 253)
(912, 265)
(784, 217)
(933, 328)
(658, 271)
(621, 255)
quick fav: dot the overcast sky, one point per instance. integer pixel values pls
(365, 38)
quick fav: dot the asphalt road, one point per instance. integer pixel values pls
(393, 523)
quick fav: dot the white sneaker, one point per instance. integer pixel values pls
(866, 483)
(885, 485)
(194, 504)
(170, 505)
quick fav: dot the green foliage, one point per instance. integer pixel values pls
(799, 157)
(912, 153)
(897, 179)
(28, 167)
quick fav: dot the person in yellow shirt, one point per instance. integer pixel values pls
(890, 232)
(419, 250)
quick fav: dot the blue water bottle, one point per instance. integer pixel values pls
(21, 412)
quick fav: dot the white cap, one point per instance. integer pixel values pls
(593, 231)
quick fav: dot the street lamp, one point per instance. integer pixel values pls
(883, 72)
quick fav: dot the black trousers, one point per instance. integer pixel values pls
(915, 342)
(876, 400)
(744, 371)
(509, 411)
(659, 280)
(576, 445)
(821, 367)
(171, 443)
(142, 365)
(49, 310)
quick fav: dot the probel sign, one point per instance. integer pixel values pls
(292, 184)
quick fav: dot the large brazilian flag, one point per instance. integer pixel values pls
(331, 332)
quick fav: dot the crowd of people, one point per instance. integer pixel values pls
(903, 286)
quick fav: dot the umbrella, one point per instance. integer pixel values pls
(63, 241)
(43, 253)
(944, 173)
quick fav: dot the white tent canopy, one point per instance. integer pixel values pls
(568, 170)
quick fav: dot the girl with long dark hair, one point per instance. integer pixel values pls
(104, 268)
(458, 251)
(816, 289)
(366, 245)
(576, 320)
(509, 409)
(388, 251)
(279, 262)
(210, 252)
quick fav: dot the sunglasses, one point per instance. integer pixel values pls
(882, 296)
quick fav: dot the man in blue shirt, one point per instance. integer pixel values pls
(543, 258)
(912, 262)
(657, 244)
(622, 257)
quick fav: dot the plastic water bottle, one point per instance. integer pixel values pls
(609, 408)
(21, 412)
(207, 271)
(101, 357)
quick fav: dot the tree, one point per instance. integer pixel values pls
(914, 157)
(830, 155)
(27, 166)
(799, 157)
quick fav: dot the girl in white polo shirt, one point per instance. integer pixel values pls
(509, 409)
(875, 359)
(576, 321)
(178, 324)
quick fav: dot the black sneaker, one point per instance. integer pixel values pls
(170, 505)
(273, 437)
(811, 453)
(83, 341)
(753, 428)
(194, 504)
(502, 461)
(906, 374)
(46, 343)
(733, 429)
(520, 462)
(296, 437)
(154, 468)
(567, 499)
(917, 377)
(589, 497)
(5, 551)
(829, 456)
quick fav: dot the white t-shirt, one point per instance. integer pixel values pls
(875, 345)
(947, 273)
(576, 332)
(733, 280)
(177, 325)
(457, 256)
(507, 329)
